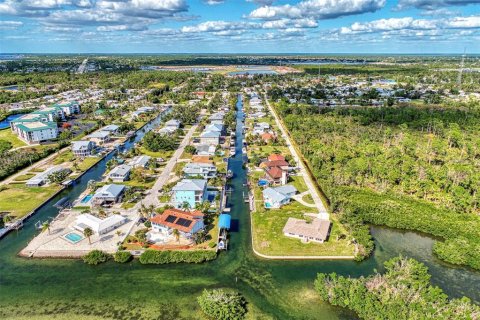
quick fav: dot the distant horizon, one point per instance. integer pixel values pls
(247, 53)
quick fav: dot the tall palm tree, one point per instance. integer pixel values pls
(176, 234)
(46, 227)
(87, 232)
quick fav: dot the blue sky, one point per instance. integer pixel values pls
(239, 26)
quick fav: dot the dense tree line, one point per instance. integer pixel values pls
(155, 142)
(402, 292)
(162, 257)
(405, 167)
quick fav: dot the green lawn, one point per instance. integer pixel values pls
(8, 135)
(269, 239)
(25, 177)
(160, 154)
(18, 199)
(88, 162)
(63, 157)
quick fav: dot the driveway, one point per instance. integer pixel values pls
(322, 211)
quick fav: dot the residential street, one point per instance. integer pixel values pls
(308, 179)
(152, 197)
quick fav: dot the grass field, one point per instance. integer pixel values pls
(18, 199)
(88, 162)
(8, 135)
(161, 154)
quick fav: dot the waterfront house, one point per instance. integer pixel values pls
(97, 225)
(276, 176)
(109, 193)
(112, 128)
(42, 178)
(217, 118)
(210, 137)
(204, 170)
(140, 161)
(276, 157)
(267, 137)
(277, 197)
(215, 127)
(206, 150)
(191, 191)
(260, 128)
(172, 125)
(120, 173)
(186, 222)
(82, 149)
(99, 137)
(315, 231)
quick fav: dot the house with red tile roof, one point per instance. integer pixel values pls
(186, 222)
(275, 157)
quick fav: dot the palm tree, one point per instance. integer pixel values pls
(185, 206)
(87, 232)
(151, 209)
(176, 234)
(46, 227)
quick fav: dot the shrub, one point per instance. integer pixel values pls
(95, 257)
(221, 304)
(162, 257)
(122, 256)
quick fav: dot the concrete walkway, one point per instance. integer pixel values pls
(152, 197)
(322, 211)
(299, 198)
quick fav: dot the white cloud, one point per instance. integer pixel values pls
(433, 4)
(464, 22)
(317, 9)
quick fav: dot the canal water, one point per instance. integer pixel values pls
(280, 289)
(5, 123)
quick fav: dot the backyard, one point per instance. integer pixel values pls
(8, 135)
(19, 200)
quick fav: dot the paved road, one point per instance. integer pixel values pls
(323, 213)
(152, 197)
(33, 166)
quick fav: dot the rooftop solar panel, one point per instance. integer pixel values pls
(170, 218)
(183, 222)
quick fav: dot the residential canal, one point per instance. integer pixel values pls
(281, 289)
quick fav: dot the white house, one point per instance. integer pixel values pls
(42, 177)
(82, 149)
(210, 137)
(140, 161)
(97, 225)
(99, 137)
(172, 125)
(110, 193)
(206, 149)
(204, 170)
(120, 173)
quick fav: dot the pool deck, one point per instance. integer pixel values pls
(53, 244)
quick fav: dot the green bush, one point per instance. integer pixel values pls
(221, 304)
(122, 256)
(95, 257)
(403, 292)
(162, 257)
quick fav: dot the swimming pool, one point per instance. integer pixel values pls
(262, 183)
(73, 237)
(87, 198)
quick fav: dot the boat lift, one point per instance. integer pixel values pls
(224, 221)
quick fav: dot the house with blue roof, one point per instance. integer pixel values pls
(191, 191)
(275, 198)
